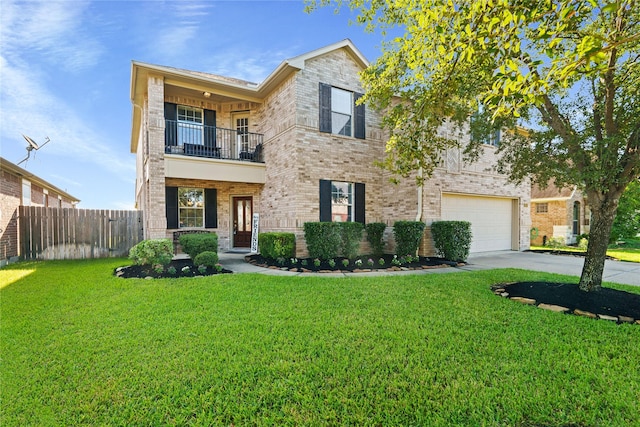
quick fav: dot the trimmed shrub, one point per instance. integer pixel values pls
(152, 252)
(452, 239)
(375, 232)
(277, 245)
(351, 234)
(408, 235)
(206, 258)
(323, 239)
(556, 242)
(194, 244)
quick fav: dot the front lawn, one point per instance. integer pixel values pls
(629, 254)
(80, 346)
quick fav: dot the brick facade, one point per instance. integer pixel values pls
(297, 155)
(558, 219)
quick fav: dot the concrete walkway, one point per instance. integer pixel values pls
(615, 271)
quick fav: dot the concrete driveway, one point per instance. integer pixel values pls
(614, 271)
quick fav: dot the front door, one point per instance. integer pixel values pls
(242, 214)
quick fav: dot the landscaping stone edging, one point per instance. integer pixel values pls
(500, 290)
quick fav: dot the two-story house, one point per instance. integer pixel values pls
(213, 150)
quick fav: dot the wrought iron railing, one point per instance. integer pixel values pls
(212, 141)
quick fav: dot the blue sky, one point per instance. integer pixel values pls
(65, 73)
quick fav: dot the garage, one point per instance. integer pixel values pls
(492, 220)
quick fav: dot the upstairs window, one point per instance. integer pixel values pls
(339, 113)
(190, 125)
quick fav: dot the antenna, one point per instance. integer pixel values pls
(32, 146)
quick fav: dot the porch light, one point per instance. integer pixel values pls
(206, 94)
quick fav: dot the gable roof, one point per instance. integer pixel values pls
(551, 192)
(223, 85)
(14, 169)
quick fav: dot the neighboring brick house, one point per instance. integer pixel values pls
(18, 187)
(212, 150)
(558, 212)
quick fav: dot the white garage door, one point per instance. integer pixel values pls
(491, 220)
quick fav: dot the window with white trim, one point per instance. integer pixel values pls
(542, 207)
(190, 207)
(341, 201)
(341, 112)
(26, 193)
(190, 125)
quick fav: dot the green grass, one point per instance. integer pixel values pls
(629, 254)
(82, 347)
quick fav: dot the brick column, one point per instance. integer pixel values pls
(156, 215)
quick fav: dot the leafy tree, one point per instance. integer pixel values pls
(566, 70)
(627, 222)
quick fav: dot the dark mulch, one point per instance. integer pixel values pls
(563, 252)
(144, 271)
(607, 301)
(309, 264)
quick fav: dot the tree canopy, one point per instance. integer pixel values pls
(565, 71)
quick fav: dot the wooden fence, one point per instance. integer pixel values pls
(54, 233)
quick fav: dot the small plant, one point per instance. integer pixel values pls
(206, 259)
(196, 243)
(186, 269)
(218, 268)
(556, 242)
(202, 269)
(584, 242)
(358, 263)
(332, 263)
(304, 263)
(158, 268)
(370, 262)
(345, 262)
(294, 261)
(395, 260)
(152, 252)
(316, 262)
(172, 270)
(381, 262)
(281, 260)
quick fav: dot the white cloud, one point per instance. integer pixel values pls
(50, 30)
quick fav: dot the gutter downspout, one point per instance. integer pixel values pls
(420, 190)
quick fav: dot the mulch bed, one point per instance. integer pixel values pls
(308, 265)
(183, 267)
(607, 301)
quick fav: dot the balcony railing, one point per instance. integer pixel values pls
(211, 141)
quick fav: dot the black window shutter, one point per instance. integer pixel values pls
(359, 119)
(325, 200)
(210, 208)
(171, 127)
(325, 108)
(210, 128)
(360, 202)
(171, 203)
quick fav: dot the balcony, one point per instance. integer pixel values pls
(212, 142)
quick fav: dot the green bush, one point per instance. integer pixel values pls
(375, 233)
(206, 258)
(408, 235)
(556, 242)
(452, 239)
(323, 239)
(351, 235)
(196, 243)
(277, 245)
(152, 252)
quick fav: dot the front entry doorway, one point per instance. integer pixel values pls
(242, 215)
